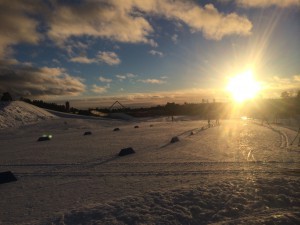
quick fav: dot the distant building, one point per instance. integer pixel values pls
(68, 106)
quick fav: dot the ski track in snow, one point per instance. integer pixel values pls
(236, 173)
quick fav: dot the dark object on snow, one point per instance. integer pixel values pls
(45, 138)
(136, 126)
(126, 151)
(6, 97)
(6, 177)
(117, 129)
(174, 139)
(87, 133)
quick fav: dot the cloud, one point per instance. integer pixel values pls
(110, 58)
(100, 89)
(175, 38)
(158, 53)
(152, 81)
(267, 3)
(274, 86)
(83, 59)
(208, 20)
(100, 19)
(126, 21)
(105, 80)
(120, 21)
(16, 26)
(122, 77)
(28, 81)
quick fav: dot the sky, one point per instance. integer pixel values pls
(146, 52)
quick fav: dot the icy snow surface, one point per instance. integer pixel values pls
(236, 173)
(17, 113)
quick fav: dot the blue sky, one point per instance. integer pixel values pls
(146, 51)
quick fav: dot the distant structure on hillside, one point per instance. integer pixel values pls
(118, 103)
(6, 97)
(67, 106)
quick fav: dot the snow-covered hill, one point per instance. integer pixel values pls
(17, 113)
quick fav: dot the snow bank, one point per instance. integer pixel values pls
(17, 113)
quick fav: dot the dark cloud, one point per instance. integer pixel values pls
(17, 24)
(28, 81)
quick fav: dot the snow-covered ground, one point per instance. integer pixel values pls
(17, 113)
(237, 173)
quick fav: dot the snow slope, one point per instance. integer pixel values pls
(236, 173)
(17, 113)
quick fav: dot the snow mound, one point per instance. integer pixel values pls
(18, 113)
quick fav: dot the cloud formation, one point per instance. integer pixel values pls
(122, 77)
(121, 21)
(110, 58)
(154, 52)
(16, 26)
(275, 85)
(100, 19)
(83, 59)
(28, 81)
(267, 3)
(208, 20)
(105, 80)
(100, 89)
(152, 81)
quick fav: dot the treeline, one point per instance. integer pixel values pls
(203, 110)
(270, 109)
(273, 109)
(265, 109)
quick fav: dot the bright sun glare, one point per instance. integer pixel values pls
(243, 86)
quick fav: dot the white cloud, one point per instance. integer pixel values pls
(273, 86)
(83, 59)
(130, 75)
(110, 58)
(100, 89)
(154, 52)
(126, 21)
(152, 81)
(175, 38)
(122, 21)
(102, 19)
(105, 80)
(208, 20)
(122, 77)
(267, 3)
(56, 61)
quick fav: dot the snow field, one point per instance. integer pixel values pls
(239, 172)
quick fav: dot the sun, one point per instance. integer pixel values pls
(243, 86)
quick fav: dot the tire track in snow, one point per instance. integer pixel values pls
(283, 135)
